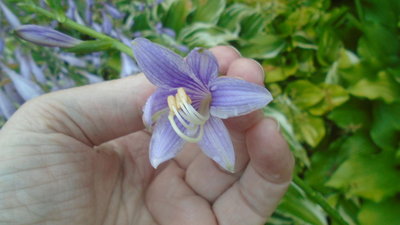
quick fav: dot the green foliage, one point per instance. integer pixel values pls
(385, 212)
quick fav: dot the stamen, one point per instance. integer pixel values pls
(182, 120)
(184, 136)
(181, 108)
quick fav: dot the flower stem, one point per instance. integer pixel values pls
(320, 200)
(81, 28)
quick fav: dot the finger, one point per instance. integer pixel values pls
(93, 114)
(203, 175)
(171, 201)
(225, 56)
(249, 70)
(255, 196)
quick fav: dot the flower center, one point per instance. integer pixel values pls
(180, 106)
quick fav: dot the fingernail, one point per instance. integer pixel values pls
(261, 69)
(237, 51)
(277, 124)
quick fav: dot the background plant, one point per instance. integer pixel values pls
(332, 66)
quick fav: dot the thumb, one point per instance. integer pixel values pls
(93, 114)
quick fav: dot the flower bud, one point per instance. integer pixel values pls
(45, 36)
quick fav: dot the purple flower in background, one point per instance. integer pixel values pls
(45, 36)
(128, 66)
(88, 12)
(24, 69)
(1, 46)
(112, 11)
(11, 18)
(25, 87)
(191, 101)
(164, 30)
(7, 108)
(107, 25)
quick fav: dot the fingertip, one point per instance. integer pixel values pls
(269, 153)
(225, 56)
(247, 69)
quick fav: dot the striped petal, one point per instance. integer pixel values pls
(163, 67)
(165, 143)
(217, 145)
(155, 105)
(203, 64)
(234, 97)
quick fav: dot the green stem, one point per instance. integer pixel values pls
(320, 200)
(83, 29)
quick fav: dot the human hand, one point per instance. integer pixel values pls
(80, 156)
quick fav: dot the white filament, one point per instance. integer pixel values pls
(181, 108)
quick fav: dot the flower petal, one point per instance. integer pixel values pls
(128, 66)
(155, 104)
(217, 144)
(165, 143)
(203, 64)
(25, 87)
(6, 106)
(11, 18)
(163, 67)
(235, 97)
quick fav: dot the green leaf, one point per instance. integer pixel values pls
(325, 163)
(56, 6)
(296, 205)
(205, 35)
(383, 87)
(231, 17)
(263, 46)
(386, 126)
(252, 25)
(352, 115)
(304, 93)
(371, 176)
(175, 17)
(91, 46)
(386, 212)
(329, 47)
(208, 11)
(374, 45)
(334, 95)
(275, 73)
(311, 129)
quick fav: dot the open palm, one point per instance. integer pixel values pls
(80, 156)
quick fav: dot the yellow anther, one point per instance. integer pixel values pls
(171, 103)
(182, 96)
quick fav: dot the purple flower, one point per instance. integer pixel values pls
(113, 11)
(25, 87)
(1, 46)
(11, 18)
(191, 101)
(107, 25)
(128, 66)
(6, 106)
(45, 36)
(88, 12)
